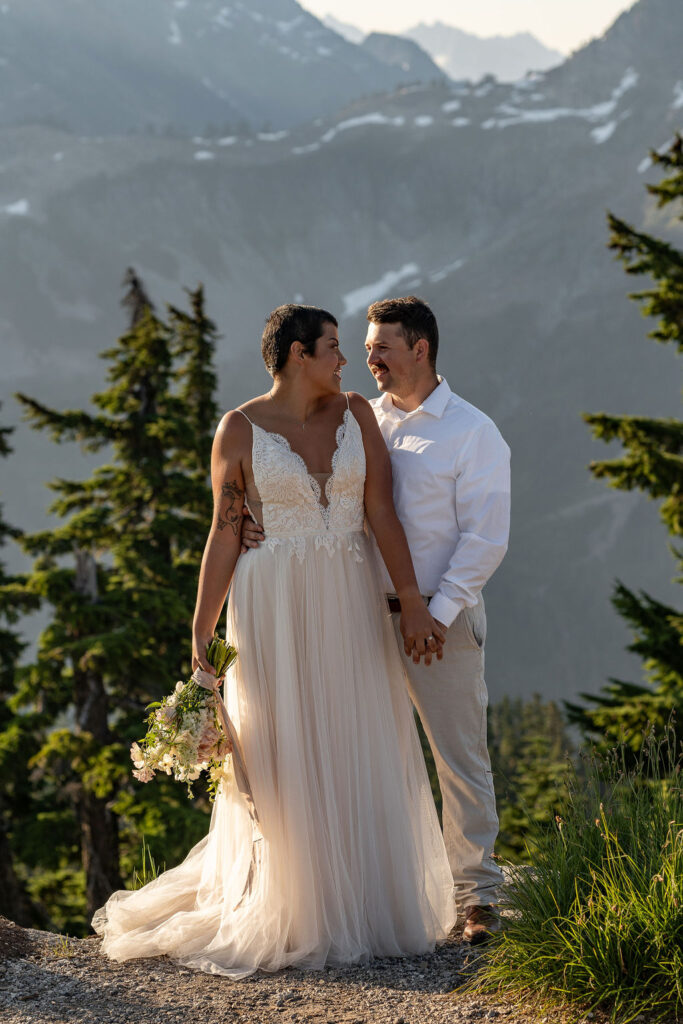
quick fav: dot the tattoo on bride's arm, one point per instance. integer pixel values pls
(232, 512)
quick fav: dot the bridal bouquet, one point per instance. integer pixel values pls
(189, 732)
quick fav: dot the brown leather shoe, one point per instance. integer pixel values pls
(480, 924)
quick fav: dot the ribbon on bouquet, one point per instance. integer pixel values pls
(211, 682)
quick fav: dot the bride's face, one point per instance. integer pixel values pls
(325, 367)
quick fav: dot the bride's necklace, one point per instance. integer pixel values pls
(298, 423)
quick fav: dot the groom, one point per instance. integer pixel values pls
(451, 479)
(451, 473)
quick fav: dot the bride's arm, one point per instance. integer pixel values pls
(232, 440)
(416, 622)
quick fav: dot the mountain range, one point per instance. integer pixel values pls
(102, 67)
(487, 199)
(463, 55)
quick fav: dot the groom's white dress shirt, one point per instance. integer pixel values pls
(453, 500)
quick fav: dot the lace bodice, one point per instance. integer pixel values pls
(291, 496)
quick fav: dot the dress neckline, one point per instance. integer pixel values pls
(340, 436)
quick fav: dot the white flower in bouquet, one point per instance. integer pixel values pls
(184, 734)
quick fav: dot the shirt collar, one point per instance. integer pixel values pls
(434, 404)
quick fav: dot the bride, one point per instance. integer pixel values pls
(347, 859)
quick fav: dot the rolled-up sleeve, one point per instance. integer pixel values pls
(482, 506)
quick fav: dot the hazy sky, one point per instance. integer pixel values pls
(561, 24)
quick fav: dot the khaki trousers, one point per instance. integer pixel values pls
(451, 699)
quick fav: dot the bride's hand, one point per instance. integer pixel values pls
(422, 635)
(199, 645)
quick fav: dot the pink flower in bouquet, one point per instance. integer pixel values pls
(208, 742)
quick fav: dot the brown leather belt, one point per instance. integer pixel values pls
(395, 604)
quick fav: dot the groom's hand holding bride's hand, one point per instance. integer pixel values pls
(252, 533)
(423, 636)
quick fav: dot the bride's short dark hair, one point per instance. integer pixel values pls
(288, 324)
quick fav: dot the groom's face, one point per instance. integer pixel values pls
(390, 359)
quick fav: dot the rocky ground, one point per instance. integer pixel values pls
(51, 979)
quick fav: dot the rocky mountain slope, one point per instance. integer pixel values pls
(403, 53)
(100, 67)
(488, 200)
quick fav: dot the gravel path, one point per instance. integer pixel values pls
(49, 978)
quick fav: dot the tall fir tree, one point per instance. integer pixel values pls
(652, 462)
(17, 741)
(194, 344)
(119, 574)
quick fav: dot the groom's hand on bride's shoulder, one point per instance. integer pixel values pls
(252, 533)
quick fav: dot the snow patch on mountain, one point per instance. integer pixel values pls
(356, 301)
(603, 133)
(359, 122)
(646, 162)
(678, 96)
(287, 26)
(21, 208)
(272, 136)
(444, 272)
(598, 112)
(222, 18)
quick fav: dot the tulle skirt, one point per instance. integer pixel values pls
(348, 862)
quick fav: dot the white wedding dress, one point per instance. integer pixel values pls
(350, 863)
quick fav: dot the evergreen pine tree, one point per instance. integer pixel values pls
(194, 346)
(652, 462)
(15, 734)
(122, 604)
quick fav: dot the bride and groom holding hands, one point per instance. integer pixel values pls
(340, 631)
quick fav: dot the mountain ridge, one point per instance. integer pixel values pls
(169, 66)
(464, 55)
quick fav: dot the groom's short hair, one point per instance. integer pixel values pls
(288, 324)
(415, 318)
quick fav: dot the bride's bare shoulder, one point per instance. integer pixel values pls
(361, 408)
(237, 421)
(234, 428)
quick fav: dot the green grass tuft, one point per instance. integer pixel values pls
(149, 870)
(595, 921)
